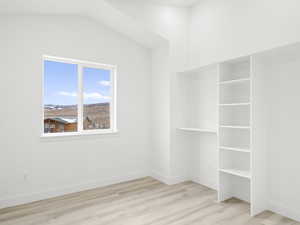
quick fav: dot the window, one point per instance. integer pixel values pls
(79, 97)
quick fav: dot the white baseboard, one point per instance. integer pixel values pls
(27, 198)
(209, 185)
(285, 211)
(178, 179)
(168, 179)
(158, 176)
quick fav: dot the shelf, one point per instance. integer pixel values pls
(235, 149)
(235, 104)
(234, 81)
(235, 127)
(240, 173)
(235, 138)
(197, 130)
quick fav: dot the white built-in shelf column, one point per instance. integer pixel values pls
(198, 130)
(235, 130)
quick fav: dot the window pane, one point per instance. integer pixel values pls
(97, 98)
(60, 97)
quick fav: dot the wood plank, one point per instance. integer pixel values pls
(140, 202)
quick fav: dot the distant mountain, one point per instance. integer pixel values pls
(95, 115)
(70, 111)
(52, 107)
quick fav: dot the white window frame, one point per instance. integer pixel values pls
(80, 101)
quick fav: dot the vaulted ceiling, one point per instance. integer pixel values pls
(99, 10)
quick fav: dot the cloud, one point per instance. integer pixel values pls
(104, 82)
(91, 95)
(95, 95)
(70, 94)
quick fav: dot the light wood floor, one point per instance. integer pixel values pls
(141, 202)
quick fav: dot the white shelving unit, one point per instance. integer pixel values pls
(235, 104)
(235, 127)
(244, 99)
(196, 124)
(236, 172)
(235, 130)
(235, 81)
(235, 116)
(199, 130)
(197, 99)
(234, 149)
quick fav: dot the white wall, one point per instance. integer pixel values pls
(223, 29)
(32, 168)
(283, 138)
(281, 94)
(170, 23)
(160, 114)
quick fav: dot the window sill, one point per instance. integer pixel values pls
(76, 135)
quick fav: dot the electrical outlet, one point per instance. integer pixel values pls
(25, 176)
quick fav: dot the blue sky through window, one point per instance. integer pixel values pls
(96, 85)
(60, 84)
